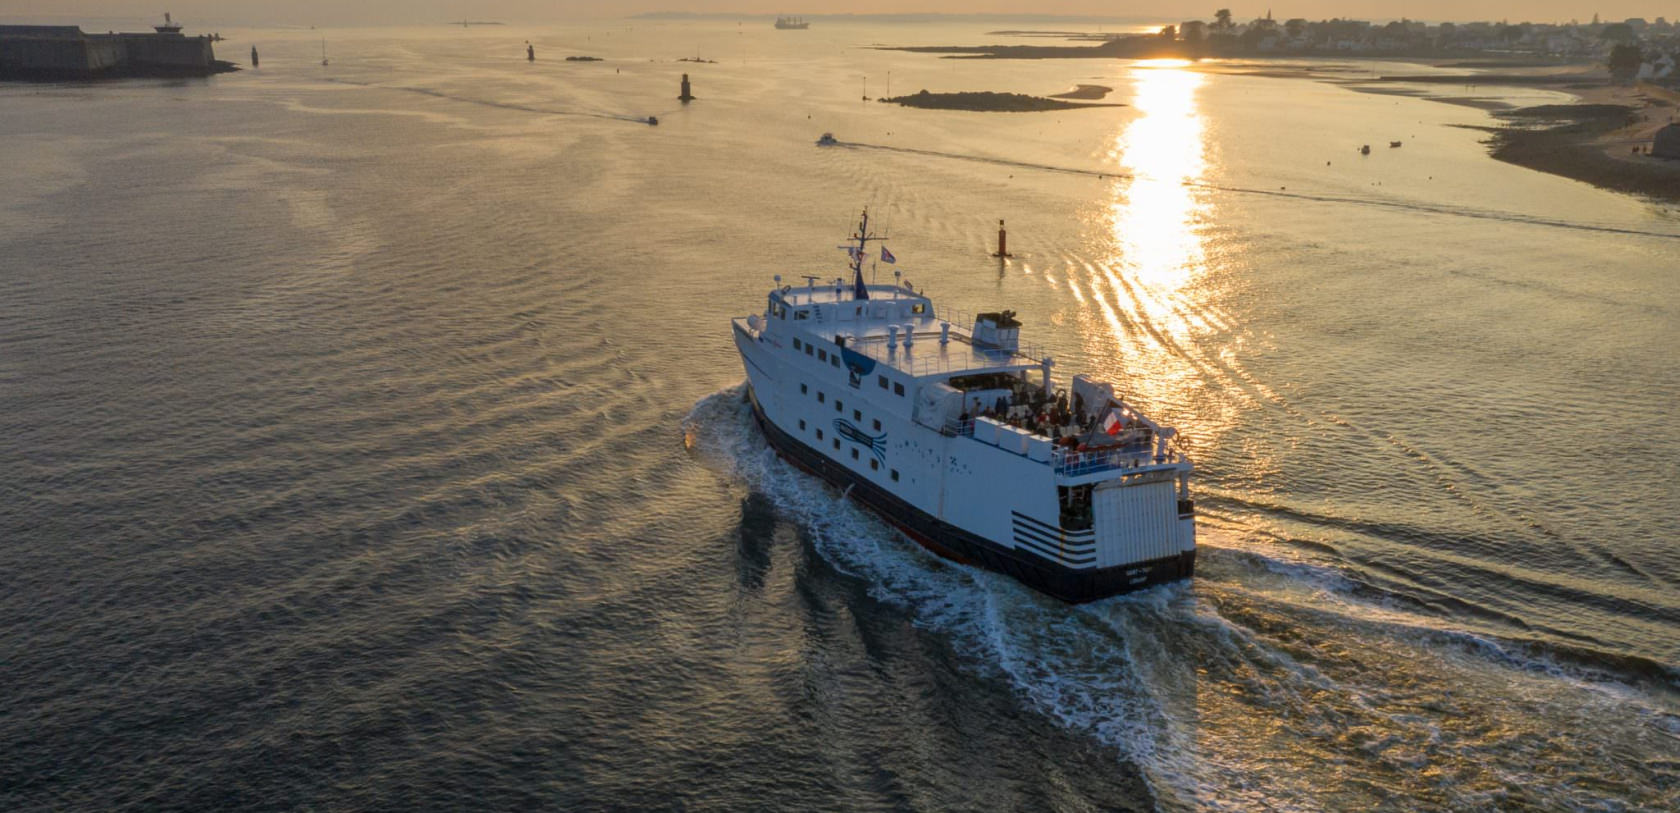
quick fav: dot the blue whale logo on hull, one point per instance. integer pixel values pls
(877, 444)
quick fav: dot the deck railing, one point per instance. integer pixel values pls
(1073, 463)
(1134, 451)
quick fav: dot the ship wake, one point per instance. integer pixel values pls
(1227, 691)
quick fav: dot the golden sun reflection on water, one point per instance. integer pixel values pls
(1152, 257)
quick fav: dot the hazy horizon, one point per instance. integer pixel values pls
(391, 12)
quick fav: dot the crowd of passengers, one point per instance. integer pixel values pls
(1067, 424)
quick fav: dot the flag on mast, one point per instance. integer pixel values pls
(887, 257)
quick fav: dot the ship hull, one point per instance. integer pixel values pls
(951, 542)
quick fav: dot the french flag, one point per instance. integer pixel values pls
(886, 256)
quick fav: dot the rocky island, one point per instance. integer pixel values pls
(990, 102)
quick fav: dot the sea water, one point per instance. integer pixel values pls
(371, 436)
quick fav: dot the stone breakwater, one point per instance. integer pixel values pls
(66, 52)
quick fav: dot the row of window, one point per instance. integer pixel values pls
(874, 464)
(839, 406)
(822, 354)
(778, 309)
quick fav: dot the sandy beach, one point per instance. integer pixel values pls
(1611, 152)
(1602, 138)
(1088, 92)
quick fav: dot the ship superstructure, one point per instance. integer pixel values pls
(962, 437)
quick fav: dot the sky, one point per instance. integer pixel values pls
(408, 12)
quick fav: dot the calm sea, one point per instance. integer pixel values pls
(371, 438)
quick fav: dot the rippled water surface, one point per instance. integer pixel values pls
(371, 437)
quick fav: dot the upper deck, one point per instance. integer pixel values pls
(932, 353)
(895, 327)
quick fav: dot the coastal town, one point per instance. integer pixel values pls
(1657, 42)
(1634, 49)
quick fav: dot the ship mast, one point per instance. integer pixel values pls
(859, 290)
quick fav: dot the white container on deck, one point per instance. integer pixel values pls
(1038, 448)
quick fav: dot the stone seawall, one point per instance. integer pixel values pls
(64, 52)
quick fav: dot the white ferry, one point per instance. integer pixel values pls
(961, 438)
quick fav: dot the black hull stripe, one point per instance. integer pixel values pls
(1042, 573)
(1022, 531)
(1052, 555)
(1052, 530)
(1053, 552)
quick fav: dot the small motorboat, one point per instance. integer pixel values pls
(827, 140)
(1393, 144)
(653, 120)
(1365, 150)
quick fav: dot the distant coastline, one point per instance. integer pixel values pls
(908, 17)
(1145, 46)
